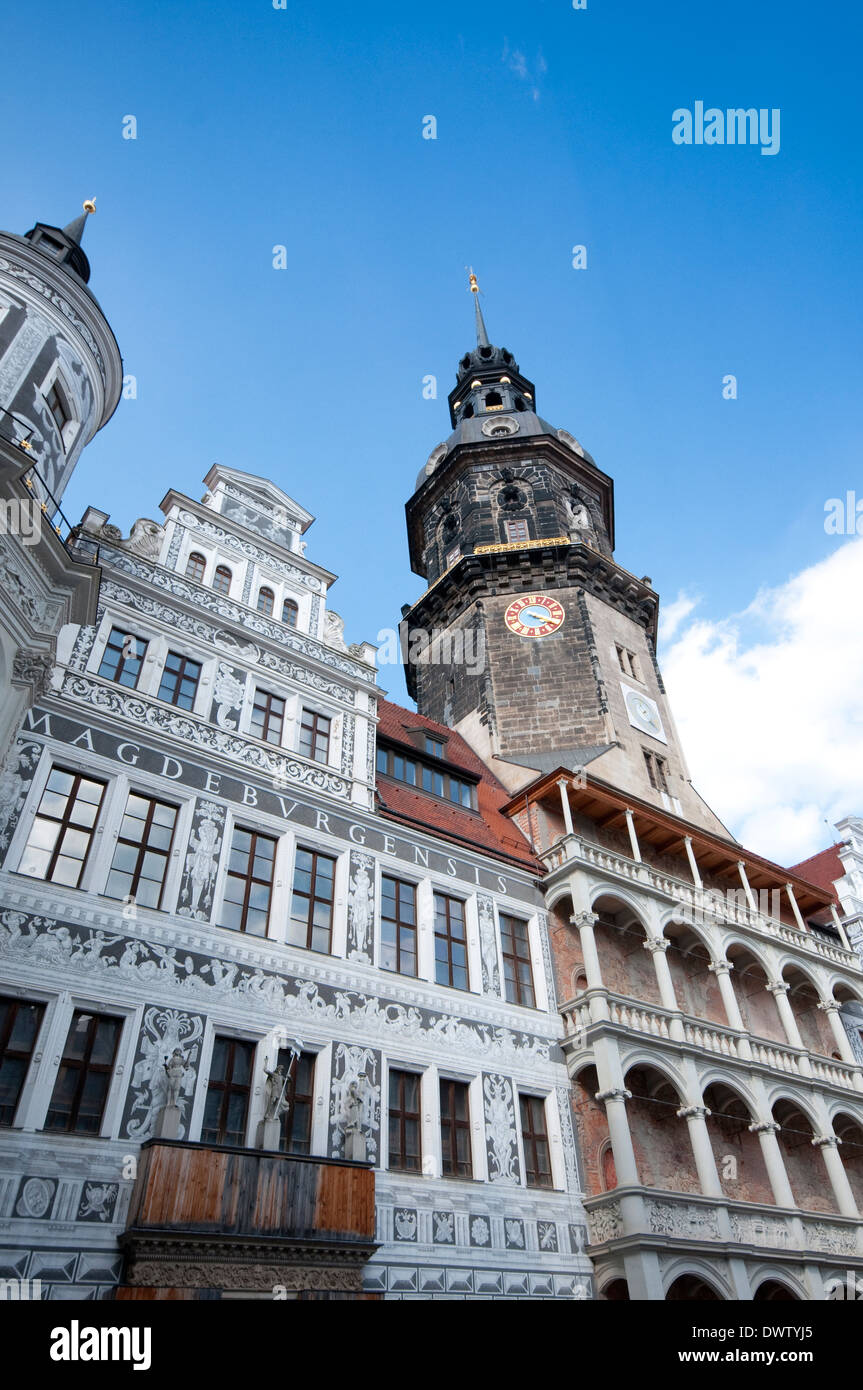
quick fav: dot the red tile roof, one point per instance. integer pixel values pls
(823, 868)
(485, 829)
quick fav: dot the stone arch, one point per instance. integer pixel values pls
(851, 992)
(696, 987)
(848, 1127)
(615, 1290)
(736, 1149)
(707, 1285)
(660, 1137)
(620, 933)
(774, 1287)
(804, 1165)
(591, 1125)
(804, 995)
(752, 971)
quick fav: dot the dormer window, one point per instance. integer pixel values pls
(266, 602)
(435, 746)
(195, 566)
(222, 580)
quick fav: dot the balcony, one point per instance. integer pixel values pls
(677, 1032)
(206, 1222)
(699, 905)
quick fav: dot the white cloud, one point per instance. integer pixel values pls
(518, 63)
(769, 706)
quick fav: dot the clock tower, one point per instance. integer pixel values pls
(531, 640)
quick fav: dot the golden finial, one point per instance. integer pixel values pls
(89, 205)
(474, 287)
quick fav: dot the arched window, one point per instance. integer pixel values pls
(195, 566)
(266, 602)
(290, 612)
(222, 580)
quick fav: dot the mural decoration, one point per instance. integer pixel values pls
(355, 1074)
(229, 690)
(15, 782)
(202, 861)
(500, 1131)
(85, 951)
(488, 946)
(361, 907)
(162, 1031)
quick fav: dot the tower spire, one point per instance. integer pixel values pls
(481, 334)
(75, 229)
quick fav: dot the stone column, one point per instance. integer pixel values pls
(722, 970)
(621, 1139)
(831, 1009)
(827, 1143)
(657, 946)
(564, 801)
(774, 1162)
(696, 1118)
(585, 921)
(779, 990)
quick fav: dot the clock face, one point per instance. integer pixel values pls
(643, 713)
(534, 615)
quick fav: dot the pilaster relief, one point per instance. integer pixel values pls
(229, 689)
(32, 669)
(15, 781)
(202, 861)
(162, 1031)
(355, 1098)
(546, 961)
(570, 1155)
(488, 946)
(361, 907)
(500, 1131)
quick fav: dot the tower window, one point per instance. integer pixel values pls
(222, 580)
(58, 406)
(266, 602)
(195, 566)
(493, 400)
(467, 412)
(657, 771)
(628, 663)
(290, 612)
(516, 530)
(453, 555)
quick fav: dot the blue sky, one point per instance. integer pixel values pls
(303, 127)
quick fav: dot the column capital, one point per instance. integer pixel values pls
(656, 943)
(764, 1127)
(829, 1006)
(777, 987)
(618, 1093)
(826, 1141)
(720, 967)
(584, 919)
(692, 1112)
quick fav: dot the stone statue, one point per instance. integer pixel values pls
(175, 1071)
(353, 1106)
(276, 1105)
